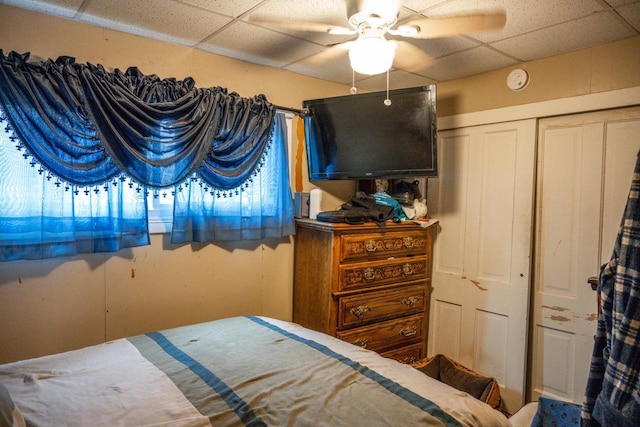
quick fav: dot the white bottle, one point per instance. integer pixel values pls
(315, 200)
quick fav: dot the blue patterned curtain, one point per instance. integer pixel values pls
(95, 141)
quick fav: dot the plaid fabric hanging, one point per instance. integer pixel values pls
(612, 396)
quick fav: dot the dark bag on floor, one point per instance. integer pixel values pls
(450, 372)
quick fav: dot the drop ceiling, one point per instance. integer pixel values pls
(534, 30)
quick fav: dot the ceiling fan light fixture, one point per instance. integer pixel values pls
(373, 12)
(372, 55)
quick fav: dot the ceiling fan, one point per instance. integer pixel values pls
(371, 20)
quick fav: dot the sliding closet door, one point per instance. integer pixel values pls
(586, 164)
(483, 199)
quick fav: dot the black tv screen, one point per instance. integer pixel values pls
(359, 137)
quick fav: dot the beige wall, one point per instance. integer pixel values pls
(56, 305)
(584, 72)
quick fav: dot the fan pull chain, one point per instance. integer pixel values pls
(387, 101)
(353, 89)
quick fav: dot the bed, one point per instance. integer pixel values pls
(253, 371)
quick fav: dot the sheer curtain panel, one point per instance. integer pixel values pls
(263, 210)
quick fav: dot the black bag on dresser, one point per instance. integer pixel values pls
(349, 216)
(360, 209)
(376, 212)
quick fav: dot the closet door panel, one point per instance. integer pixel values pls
(483, 198)
(585, 167)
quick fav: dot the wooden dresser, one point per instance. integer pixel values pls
(365, 284)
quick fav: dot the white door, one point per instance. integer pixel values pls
(585, 167)
(483, 199)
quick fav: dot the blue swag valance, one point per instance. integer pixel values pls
(106, 138)
(87, 126)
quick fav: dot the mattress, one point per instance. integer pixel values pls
(252, 371)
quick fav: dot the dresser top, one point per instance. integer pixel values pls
(367, 226)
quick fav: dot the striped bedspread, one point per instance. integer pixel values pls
(251, 371)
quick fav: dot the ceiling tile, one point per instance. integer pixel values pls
(331, 12)
(338, 69)
(631, 13)
(63, 8)
(232, 9)
(398, 79)
(593, 30)
(437, 48)
(180, 23)
(522, 15)
(255, 44)
(466, 63)
(420, 5)
(618, 3)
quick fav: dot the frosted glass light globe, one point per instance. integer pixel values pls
(372, 55)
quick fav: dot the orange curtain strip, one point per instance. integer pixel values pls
(299, 150)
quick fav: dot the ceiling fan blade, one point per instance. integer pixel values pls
(429, 28)
(316, 27)
(329, 54)
(410, 57)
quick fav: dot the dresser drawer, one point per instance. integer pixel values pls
(375, 273)
(407, 355)
(382, 245)
(362, 309)
(386, 335)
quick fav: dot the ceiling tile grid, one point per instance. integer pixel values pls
(631, 14)
(232, 9)
(533, 30)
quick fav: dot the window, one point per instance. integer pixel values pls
(42, 217)
(92, 141)
(160, 211)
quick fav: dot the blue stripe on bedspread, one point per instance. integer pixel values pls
(248, 371)
(234, 401)
(392, 386)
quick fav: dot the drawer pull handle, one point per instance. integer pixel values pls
(360, 311)
(408, 242)
(369, 273)
(361, 343)
(411, 302)
(407, 269)
(409, 332)
(370, 245)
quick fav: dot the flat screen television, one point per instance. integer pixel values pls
(359, 137)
